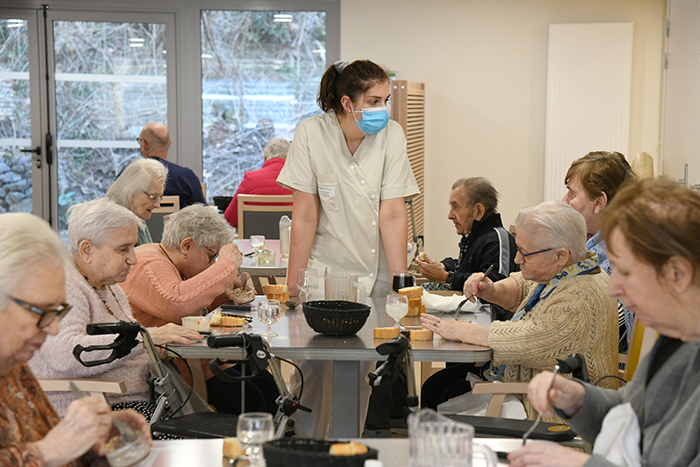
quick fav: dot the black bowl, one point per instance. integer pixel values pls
(299, 452)
(336, 317)
(222, 202)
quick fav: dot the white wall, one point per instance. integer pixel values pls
(484, 63)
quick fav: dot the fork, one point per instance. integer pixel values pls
(539, 414)
(461, 304)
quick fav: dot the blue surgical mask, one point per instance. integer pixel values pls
(374, 120)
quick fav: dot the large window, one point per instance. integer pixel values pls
(260, 77)
(110, 82)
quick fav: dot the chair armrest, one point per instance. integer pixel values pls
(499, 391)
(85, 385)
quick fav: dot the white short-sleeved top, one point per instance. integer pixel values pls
(350, 189)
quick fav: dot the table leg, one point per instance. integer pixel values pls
(346, 399)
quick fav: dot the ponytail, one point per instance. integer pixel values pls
(348, 79)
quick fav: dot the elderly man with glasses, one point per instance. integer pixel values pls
(560, 304)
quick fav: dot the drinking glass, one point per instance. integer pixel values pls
(254, 429)
(403, 279)
(269, 313)
(307, 281)
(257, 243)
(397, 307)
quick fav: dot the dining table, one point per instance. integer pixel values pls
(256, 269)
(209, 452)
(296, 340)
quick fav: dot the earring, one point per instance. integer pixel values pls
(184, 256)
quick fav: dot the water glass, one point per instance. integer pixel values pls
(254, 429)
(437, 441)
(257, 243)
(397, 307)
(307, 281)
(269, 313)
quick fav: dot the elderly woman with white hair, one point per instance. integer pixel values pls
(139, 188)
(32, 301)
(191, 270)
(101, 236)
(559, 300)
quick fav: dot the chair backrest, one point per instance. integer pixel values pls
(260, 214)
(631, 358)
(168, 205)
(96, 387)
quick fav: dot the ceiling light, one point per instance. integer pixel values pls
(282, 18)
(207, 56)
(136, 44)
(136, 40)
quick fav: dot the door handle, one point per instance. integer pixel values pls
(37, 151)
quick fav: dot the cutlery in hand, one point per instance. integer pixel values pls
(124, 429)
(461, 304)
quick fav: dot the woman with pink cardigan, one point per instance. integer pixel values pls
(187, 273)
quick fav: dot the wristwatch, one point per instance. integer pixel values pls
(450, 278)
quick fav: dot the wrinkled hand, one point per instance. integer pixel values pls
(135, 420)
(449, 329)
(242, 280)
(547, 455)
(87, 424)
(479, 286)
(566, 394)
(231, 251)
(432, 270)
(173, 333)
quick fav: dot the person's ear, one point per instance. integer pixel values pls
(346, 103)
(599, 203)
(85, 250)
(563, 256)
(480, 210)
(186, 245)
(678, 272)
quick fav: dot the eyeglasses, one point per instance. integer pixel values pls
(141, 140)
(154, 197)
(525, 255)
(46, 316)
(215, 255)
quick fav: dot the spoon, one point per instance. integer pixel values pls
(291, 304)
(126, 432)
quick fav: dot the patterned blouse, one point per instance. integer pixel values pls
(26, 416)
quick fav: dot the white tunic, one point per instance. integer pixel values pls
(350, 189)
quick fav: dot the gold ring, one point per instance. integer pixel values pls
(438, 322)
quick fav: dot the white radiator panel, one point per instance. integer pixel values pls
(589, 76)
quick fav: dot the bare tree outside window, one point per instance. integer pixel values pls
(260, 77)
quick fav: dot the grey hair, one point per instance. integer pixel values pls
(137, 177)
(26, 242)
(480, 190)
(95, 221)
(206, 227)
(276, 147)
(554, 224)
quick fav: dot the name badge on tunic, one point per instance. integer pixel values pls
(325, 191)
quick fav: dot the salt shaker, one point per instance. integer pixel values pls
(285, 235)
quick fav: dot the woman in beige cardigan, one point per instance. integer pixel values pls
(558, 297)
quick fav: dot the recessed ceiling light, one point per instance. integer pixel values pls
(207, 56)
(137, 40)
(282, 18)
(136, 44)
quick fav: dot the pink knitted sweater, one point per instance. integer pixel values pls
(55, 358)
(158, 295)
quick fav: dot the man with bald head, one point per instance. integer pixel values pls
(155, 142)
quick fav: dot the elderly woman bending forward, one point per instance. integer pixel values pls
(101, 237)
(32, 294)
(558, 298)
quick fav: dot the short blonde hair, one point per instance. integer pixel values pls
(137, 177)
(206, 227)
(26, 241)
(96, 220)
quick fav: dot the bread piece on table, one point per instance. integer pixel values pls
(347, 449)
(413, 311)
(232, 449)
(412, 292)
(215, 318)
(386, 333)
(415, 302)
(281, 297)
(421, 309)
(421, 334)
(232, 321)
(277, 289)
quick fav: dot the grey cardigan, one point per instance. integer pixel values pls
(668, 410)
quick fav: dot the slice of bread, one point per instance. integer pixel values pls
(416, 302)
(215, 318)
(232, 449)
(421, 334)
(412, 292)
(277, 289)
(232, 321)
(421, 309)
(281, 297)
(413, 310)
(386, 333)
(421, 256)
(347, 449)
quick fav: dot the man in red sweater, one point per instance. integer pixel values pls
(262, 181)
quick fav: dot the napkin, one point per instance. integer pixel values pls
(618, 440)
(443, 303)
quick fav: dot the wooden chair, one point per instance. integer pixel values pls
(631, 358)
(95, 387)
(260, 214)
(168, 205)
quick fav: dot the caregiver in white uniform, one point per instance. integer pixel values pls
(349, 174)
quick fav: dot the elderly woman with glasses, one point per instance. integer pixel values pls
(32, 295)
(186, 274)
(139, 188)
(559, 302)
(101, 238)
